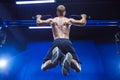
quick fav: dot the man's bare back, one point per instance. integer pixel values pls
(61, 24)
(61, 27)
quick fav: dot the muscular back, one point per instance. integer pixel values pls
(61, 27)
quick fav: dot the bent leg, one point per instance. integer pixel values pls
(52, 58)
(75, 65)
(69, 62)
(65, 63)
(47, 65)
(56, 55)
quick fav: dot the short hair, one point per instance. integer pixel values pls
(61, 8)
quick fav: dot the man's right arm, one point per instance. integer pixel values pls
(81, 22)
(40, 21)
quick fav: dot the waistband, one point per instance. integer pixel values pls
(61, 39)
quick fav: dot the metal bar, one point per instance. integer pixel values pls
(27, 23)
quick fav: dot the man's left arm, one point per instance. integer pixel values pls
(81, 22)
(40, 21)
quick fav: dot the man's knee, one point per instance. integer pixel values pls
(43, 67)
(47, 65)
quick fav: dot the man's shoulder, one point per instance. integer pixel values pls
(55, 17)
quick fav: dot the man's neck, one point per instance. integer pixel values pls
(60, 16)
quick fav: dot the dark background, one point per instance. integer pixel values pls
(96, 9)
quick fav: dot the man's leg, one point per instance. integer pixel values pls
(65, 60)
(66, 63)
(51, 59)
(47, 65)
(70, 57)
(75, 65)
(57, 54)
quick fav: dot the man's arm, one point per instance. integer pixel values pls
(40, 21)
(81, 22)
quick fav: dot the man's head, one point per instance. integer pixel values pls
(61, 10)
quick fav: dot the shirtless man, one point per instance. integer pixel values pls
(61, 51)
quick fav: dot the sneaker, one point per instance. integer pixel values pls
(56, 55)
(66, 64)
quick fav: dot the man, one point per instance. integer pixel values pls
(61, 51)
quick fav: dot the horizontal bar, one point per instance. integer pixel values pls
(28, 23)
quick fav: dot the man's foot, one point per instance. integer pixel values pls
(66, 64)
(56, 55)
(75, 65)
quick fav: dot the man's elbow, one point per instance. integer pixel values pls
(38, 22)
(83, 23)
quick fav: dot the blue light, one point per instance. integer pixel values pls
(35, 2)
(3, 63)
(0, 27)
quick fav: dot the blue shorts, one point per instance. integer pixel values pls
(65, 45)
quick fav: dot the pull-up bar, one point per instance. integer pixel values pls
(27, 23)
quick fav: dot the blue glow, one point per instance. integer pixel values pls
(0, 28)
(99, 62)
(3, 63)
(35, 2)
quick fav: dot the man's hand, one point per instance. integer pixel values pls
(38, 19)
(84, 16)
(83, 20)
(39, 16)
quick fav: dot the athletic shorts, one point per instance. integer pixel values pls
(65, 45)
